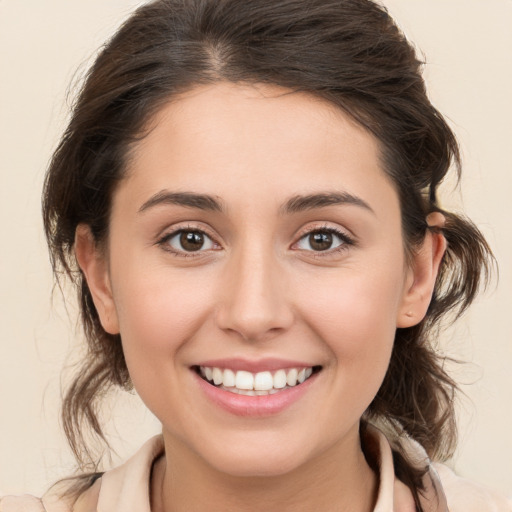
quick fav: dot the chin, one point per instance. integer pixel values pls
(262, 459)
(260, 466)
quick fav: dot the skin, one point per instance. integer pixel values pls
(258, 290)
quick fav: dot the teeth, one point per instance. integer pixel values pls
(280, 379)
(263, 381)
(244, 380)
(218, 376)
(229, 378)
(291, 378)
(255, 384)
(251, 392)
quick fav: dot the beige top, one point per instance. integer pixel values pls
(126, 488)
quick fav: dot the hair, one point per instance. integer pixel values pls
(347, 52)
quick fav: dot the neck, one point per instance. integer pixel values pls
(338, 479)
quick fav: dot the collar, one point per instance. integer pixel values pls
(126, 488)
(393, 495)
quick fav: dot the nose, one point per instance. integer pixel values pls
(254, 301)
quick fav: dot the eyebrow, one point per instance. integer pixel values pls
(302, 203)
(296, 204)
(187, 199)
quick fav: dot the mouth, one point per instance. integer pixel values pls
(264, 383)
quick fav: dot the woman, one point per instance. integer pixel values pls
(249, 190)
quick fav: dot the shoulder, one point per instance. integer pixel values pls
(21, 504)
(118, 490)
(51, 502)
(463, 495)
(443, 489)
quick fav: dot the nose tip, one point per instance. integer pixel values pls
(255, 303)
(254, 326)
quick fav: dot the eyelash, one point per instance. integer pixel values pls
(346, 241)
(164, 241)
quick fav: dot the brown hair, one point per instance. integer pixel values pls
(348, 52)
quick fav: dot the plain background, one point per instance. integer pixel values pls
(467, 43)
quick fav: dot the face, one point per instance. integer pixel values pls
(255, 242)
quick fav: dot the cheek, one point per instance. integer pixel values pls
(361, 305)
(158, 312)
(355, 315)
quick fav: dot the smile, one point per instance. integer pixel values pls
(256, 384)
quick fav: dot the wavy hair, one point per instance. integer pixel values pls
(348, 52)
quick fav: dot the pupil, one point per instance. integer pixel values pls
(191, 240)
(320, 241)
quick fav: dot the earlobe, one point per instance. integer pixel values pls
(93, 263)
(422, 274)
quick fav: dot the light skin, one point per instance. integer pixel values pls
(252, 169)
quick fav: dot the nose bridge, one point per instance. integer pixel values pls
(254, 302)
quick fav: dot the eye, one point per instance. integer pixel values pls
(323, 240)
(188, 240)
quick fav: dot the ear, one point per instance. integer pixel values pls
(422, 274)
(94, 265)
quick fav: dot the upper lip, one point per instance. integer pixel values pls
(254, 366)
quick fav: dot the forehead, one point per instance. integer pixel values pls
(226, 111)
(254, 141)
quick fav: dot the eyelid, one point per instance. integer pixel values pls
(325, 226)
(171, 232)
(345, 235)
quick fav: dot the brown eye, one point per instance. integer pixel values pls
(189, 241)
(320, 241)
(323, 240)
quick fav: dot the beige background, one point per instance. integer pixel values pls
(468, 44)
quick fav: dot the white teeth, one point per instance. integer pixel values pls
(217, 375)
(280, 379)
(255, 384)
(229, 378)
(248, 392)
(244, 380)
(291, 378)
(263, 381)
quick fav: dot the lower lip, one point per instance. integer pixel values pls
(255, 406)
